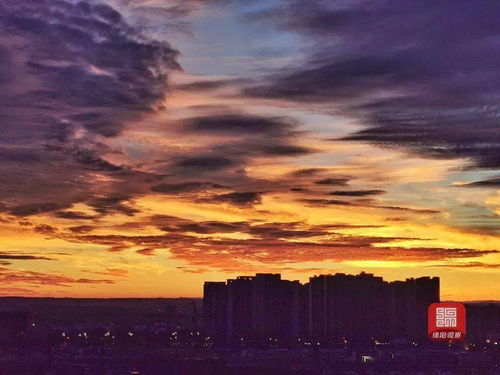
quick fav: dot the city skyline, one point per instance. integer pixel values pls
(331, 308)
(149, 145)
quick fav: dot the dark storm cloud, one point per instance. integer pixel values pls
(491, 183)
(73, 73)
(422, 75)
(357, 193)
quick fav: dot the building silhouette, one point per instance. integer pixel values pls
(329, 308)
(254, 307)
(215, 304)
(483, 322)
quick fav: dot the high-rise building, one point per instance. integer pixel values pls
(411, 299)
(483, 323)
(215, 310)
(348, 306)
(240, 307)
(254, 308)
(276, 305)
(328, 308)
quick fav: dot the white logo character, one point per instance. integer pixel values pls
(446, 317)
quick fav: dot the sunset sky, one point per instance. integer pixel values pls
(149, 145)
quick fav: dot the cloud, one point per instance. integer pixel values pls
(239, 139)
(113, 204)
(239, 124)
(45, 229)
(286, 150)
(429, 211)
(284, 230)
(73, 215)
(468, 265)
(82, 229)
(89, 58)
(488, 183)
(74, 76)
(265, 230)
(81, 82)
(90, 161)
(17, 256)
(235, 246)
(204, 162)
(241, 255)
(362, 203)
(39, 278)
(92, 281)
(208, 85)
(205, 227)
(161, 16)
(246, 198)
(185, 187)
(208, 244)
(324, 202)
(415, 77)
(34, 209)
(332, 181)
(357, 193)
(116, 272)
(307, 172)
(146, 251)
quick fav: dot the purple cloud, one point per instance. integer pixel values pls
(422, 75)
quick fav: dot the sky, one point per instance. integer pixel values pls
(149, 145)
